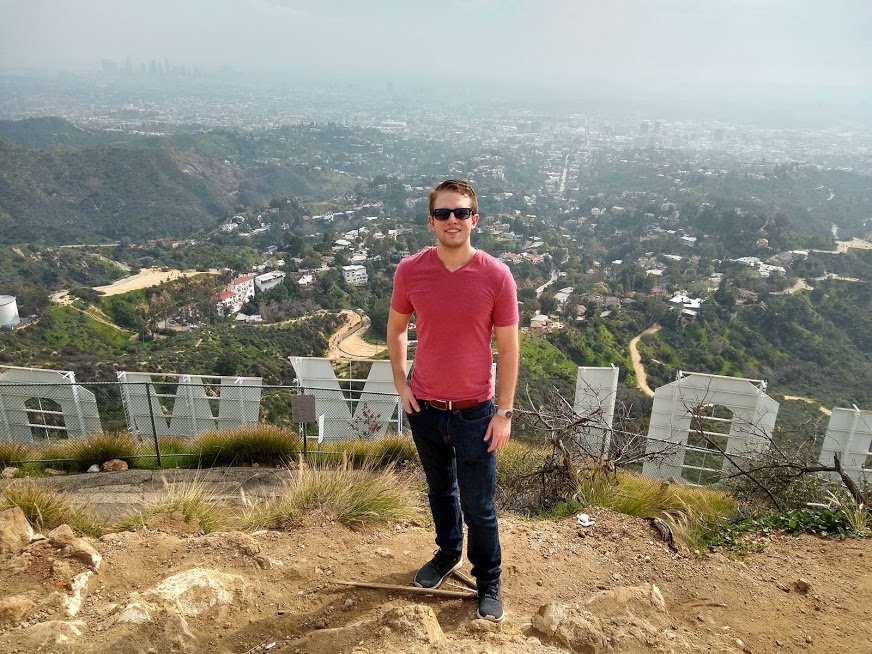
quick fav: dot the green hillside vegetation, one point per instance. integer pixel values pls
(62, 334)
(807, 344)
(853, 263)
(66, 338)
(64, 195)
(49, 131)
(54, 268)
(543, 367)
(597, 343)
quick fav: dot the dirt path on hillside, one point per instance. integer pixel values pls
(348, 343)
(799, 285)
(143, 279)
(636, 358)
(809, 400)
(275, 591)
(146, 278)
(843, 246)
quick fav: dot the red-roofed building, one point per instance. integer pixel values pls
(226, 303)
(243, 287)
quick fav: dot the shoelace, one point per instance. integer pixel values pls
(491, 592)
(441, 559)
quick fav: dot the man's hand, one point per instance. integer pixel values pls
(407, 397)
(499, 431)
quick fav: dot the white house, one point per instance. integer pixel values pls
(355, 275)
(243, 288)
(269, 280)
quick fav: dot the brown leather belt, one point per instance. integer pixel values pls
(447, 405)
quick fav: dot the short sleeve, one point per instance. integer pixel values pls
(399, 298)
(506, 305)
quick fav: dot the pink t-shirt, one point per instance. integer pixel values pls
(455, 313)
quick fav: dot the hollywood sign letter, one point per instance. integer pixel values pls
(377, 404)
(187, 410)
(44, 405)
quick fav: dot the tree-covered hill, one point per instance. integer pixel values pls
(68, 195)
(69, 339)
(45, 132)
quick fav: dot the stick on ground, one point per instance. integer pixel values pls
(469, 594)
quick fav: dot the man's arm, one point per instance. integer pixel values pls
(508, 356)
(398, 339)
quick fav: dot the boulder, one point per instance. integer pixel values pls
(53, 633)
(15, 531)
(115, 465)
(572, 627)
(73, 547)
(633, 600)
(15, 609)
(414, 621)
(195, 591)
(78, 591)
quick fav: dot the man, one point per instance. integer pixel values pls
(460, 297)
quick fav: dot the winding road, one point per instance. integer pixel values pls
(348, 343)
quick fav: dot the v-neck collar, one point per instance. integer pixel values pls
(456, 270)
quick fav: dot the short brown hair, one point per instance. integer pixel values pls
(458, 186)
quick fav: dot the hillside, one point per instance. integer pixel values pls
(167, 587)
(67, 195)
(45, 132)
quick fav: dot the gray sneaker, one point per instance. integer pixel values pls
(490, 602)
(440, 566)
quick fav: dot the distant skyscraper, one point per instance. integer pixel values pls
(644, 126)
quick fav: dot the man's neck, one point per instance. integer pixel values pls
(454, 258)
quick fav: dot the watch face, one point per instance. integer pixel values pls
(506, 413)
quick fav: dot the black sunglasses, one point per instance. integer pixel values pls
(461, 213)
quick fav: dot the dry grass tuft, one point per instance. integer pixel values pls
(47, 508)
(193, 499)
(350, 496)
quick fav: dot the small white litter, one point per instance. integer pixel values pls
(584, 520)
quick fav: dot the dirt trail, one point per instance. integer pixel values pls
(809, 400)
(146, 278)
(143, 279)
(843, 246)
(638, 368)
(713, 602)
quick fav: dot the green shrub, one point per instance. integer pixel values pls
(827, 523)
(262, 444)
(350, 496)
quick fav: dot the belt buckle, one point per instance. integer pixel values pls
(446, 405)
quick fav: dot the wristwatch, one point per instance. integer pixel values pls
(505, 413)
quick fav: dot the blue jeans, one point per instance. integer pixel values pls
(461, 479)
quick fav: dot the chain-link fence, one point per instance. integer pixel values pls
(151, 417)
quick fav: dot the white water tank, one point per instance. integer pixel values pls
(8, 311)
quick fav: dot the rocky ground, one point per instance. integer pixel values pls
(610, 587)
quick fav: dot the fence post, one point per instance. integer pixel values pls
(153, 426)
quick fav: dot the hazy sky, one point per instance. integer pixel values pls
(536, 42)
